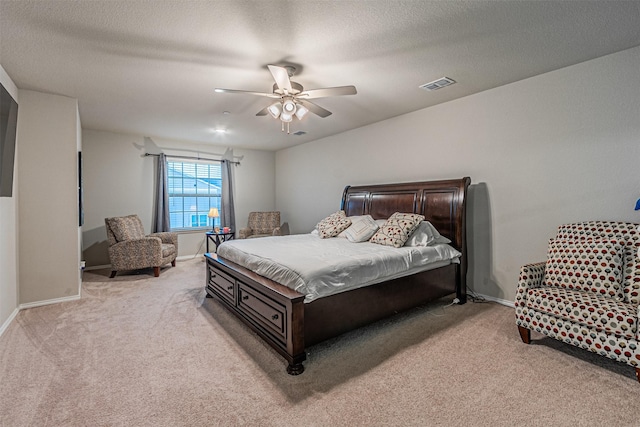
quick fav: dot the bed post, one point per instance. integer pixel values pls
(461, 292)
(344, 197)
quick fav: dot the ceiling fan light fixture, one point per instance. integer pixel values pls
(301, 111)
(275, 110)
(286, 117)
(288, 106)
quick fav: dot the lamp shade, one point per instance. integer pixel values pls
(213, 213)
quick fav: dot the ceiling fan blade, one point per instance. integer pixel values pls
(328, 91)
(315, 108)
(247, 92)
(263, 112)
(281, 76)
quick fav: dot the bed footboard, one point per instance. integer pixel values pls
(273, 311)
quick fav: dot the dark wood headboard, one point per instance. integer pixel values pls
(441, 202)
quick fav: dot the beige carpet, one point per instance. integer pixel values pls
(143, 351)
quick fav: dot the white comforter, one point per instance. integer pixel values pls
(319, 267)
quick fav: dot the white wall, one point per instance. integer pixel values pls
(119, 180)
(48, 198)
(556, 148)
(8, 231)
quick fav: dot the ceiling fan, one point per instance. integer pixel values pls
(293, 100)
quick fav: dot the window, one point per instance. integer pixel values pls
(194, 188)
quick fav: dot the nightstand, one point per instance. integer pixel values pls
(218, 237)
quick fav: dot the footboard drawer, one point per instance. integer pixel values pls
(262, 309)
(222, 284)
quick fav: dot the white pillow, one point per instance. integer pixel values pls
(354, 219)
(426, 235)
(361, 229)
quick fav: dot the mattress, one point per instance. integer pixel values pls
(319, 267)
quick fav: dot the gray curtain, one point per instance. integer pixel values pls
(228, 214)
(161, 219)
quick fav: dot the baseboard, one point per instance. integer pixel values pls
(188, 257)
(48, 302)
(105, 266)
(7, 322)
(13, 315)
(498, 300)
(97, 267)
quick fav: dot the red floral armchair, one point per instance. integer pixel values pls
(587, 293)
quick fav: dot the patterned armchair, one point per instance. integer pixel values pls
(587, 293)
(130, 249)
(261, 224)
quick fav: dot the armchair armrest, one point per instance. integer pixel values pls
(531, 276)
(638, 330)
(167, 237)
(243, 233)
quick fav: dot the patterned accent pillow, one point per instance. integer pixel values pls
(126, 228)
(585, 265)
(333, 225)
(361, 229)
(396, 231)
(621, 231)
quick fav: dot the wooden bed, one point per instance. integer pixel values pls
(279, 315)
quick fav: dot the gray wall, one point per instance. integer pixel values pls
(119, 180)
(48, 145)
(9, 237)
(556, 148)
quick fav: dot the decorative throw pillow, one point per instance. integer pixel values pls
(332, 217)
(332, 225)
(354, 219)
(426, 235)
(361, 229)
(585, 265)
(126, 228)
(396, 230)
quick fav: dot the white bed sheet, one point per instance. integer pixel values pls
(319, 267)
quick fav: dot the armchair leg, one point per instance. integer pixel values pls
(156, 271)
(113, 274)
(525, 334)
(173, 263)
(638, 374)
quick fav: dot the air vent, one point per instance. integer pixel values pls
(300, 132)
(437, 84)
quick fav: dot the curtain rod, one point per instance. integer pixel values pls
(193, 158)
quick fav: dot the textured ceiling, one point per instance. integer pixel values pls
(150, 67)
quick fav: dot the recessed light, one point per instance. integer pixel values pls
(226, 112)
(221, 130)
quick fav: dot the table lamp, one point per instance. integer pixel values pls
(213, 213)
